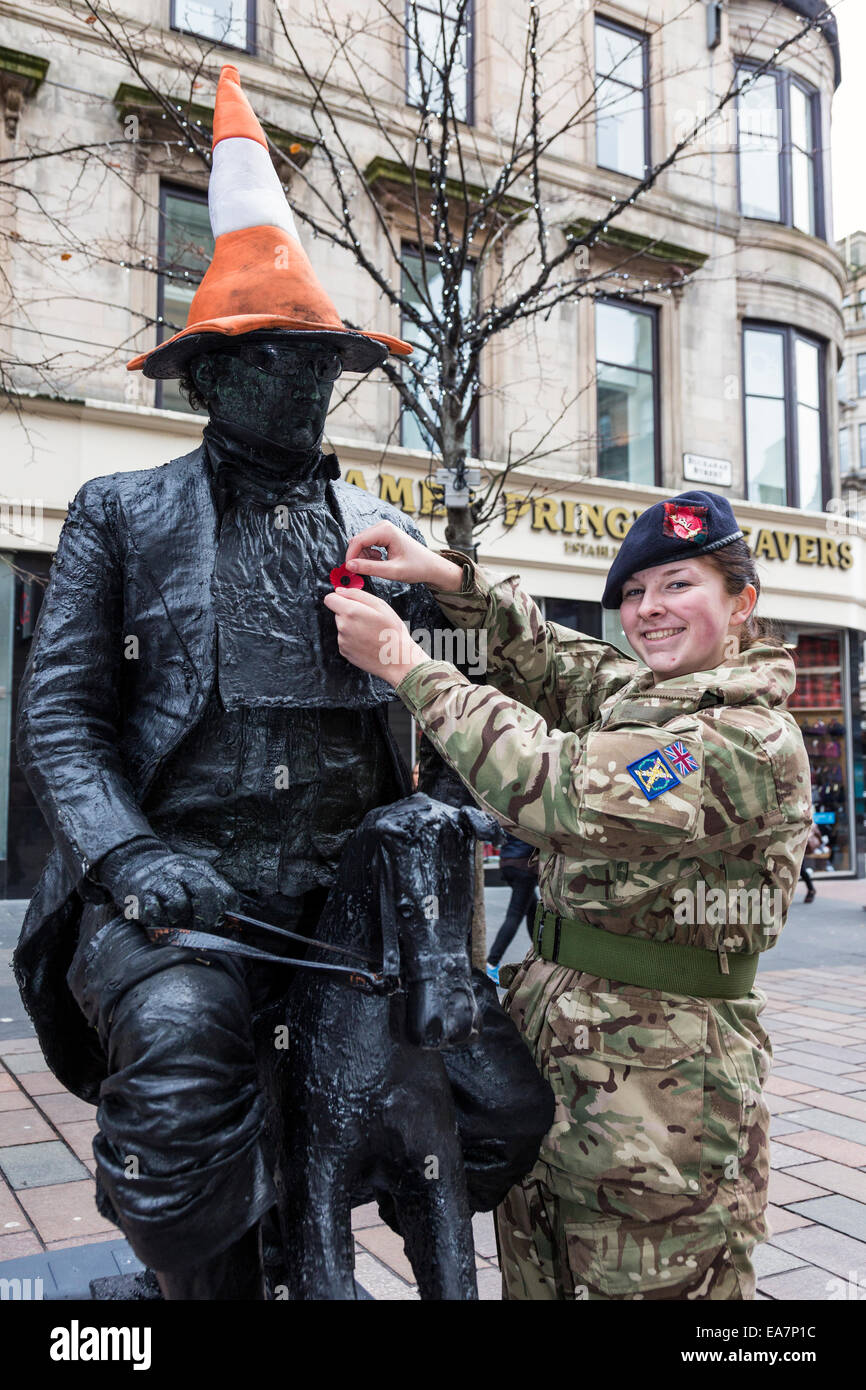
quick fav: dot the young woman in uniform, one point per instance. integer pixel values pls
(669, 800)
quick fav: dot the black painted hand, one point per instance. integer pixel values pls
(161, 889)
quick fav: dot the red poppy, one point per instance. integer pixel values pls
(687, 522)
(343, 578)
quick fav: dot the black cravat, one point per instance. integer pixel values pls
(246, 467)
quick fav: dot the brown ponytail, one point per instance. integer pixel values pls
(736, 564)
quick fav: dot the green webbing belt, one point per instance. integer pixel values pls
(649, 964)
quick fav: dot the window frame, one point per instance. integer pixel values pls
(412, 248)
(644, 39)
(789, 334)
(653, 311)
(861, 374)
(190, 195)
(785, 80)
(861, 447)
(249, 47)
(469, 13)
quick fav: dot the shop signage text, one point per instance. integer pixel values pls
(603, 527)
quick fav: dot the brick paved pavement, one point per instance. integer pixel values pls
(817, 1094)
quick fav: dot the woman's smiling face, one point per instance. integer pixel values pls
(678, 617)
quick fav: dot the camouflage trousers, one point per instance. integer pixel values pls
(652, 1180)
(548, 1250)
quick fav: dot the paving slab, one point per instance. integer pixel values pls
(380, 1282)
(42, 1083)
(809, 1283)
(831, 1123)
(783, 1156)
(816, 1062)
(781, 1125)
(64, 1210)
(786, 1188)
(829, 1146)
(22, 1062)
(40, 1165)
(23, 1126)
(838, 1177)
(842, 1214)
(13, 1100)
(834, 1251)
(771, 1259)
(819, 1079)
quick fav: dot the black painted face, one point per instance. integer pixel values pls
(277, 389)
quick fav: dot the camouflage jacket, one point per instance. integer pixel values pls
(567, 744)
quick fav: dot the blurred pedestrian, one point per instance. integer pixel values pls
(523, 882)
(813, 844)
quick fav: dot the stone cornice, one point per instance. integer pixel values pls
(138, 101)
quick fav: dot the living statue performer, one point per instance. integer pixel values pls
(192, 733)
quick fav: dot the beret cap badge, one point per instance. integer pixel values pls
(689, 523)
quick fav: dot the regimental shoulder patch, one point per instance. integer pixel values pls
(652, 774)
(680, 758)
(687, 521)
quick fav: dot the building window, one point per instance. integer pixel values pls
(439, 37)
(626, 350)
(412, 432)
(231, 23)
(845, 450)
(784, 416)
(621, 107)
(185, 250)
(861, 450)
(779, 151)
(861, 373)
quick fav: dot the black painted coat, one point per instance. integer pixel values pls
(135, 558)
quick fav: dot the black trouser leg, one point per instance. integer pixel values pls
(234, 1275)
(180, 1164)
(522, 905)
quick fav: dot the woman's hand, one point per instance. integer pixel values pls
(408, 559)
(371, 635)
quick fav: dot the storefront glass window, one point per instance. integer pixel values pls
(819, 706)
(578, 614)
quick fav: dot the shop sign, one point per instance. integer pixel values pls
(593, 529)
(698, 468)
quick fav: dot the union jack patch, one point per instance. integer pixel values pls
(652, 774)
(679, 757)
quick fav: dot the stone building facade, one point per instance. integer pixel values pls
(708, 357)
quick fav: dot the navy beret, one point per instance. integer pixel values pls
(693, 523)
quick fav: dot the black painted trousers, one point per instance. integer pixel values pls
(180, 1166)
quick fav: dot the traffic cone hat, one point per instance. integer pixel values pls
(260, 278)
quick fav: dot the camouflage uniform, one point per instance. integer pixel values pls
(652, 1181)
